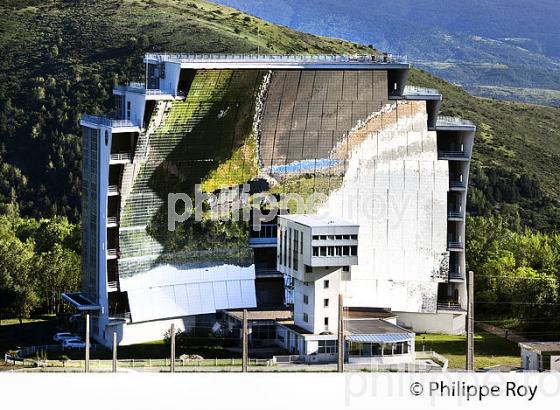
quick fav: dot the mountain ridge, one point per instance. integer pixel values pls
(63, 57)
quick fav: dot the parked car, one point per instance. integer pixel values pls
(75, 343)
(59, 337)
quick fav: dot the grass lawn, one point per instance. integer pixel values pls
(489, 350)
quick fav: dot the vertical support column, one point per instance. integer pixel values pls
(86, 365)
(245, 342)
(340, 350)
(114, 352)
(172, 362)
(470, 321)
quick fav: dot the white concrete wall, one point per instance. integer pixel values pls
(448, 323)
(394, 359)
(104, 151)
(170, 83)
(133, 333)
(137, 107)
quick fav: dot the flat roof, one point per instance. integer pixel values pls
(316, 221)
(359, 313)
(372, 327)
(278, 313)
(270, 61)
(540, 347)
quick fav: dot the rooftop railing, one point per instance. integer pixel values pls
(444, 121)
(106, 121)
(221, 58)
(414, 90)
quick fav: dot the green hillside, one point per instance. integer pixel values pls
(61, 58)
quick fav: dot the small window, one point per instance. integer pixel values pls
(345, 250)
(354, 237)
(323, 251)
(305, 299)
(305, 318)
(326, 321)
(338, 237)
(353, 250)
(315, 237)
(315, 251)
(325, 303)
(331, 237)
(330, 251)
(301, 243)
(346, 269)
(338, 251)
(323, 237)
(346, 236)
(326, 284)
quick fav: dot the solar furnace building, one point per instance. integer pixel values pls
(345, 127)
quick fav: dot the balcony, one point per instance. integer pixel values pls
(113, 286)
(454, 123)
(106, 121)
(112, 190)
(121, 158)
(455, 246)
(454, 155)
(112, 254)
(457, 183)
(456, 276)
(453, 215)
(255, 242)
(452, 305)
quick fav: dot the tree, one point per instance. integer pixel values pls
(16, 277)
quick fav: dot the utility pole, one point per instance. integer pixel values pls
(86, 366)
(470, 321)
(114, 352)
(172, 368)
(340, 350)
(245, 342)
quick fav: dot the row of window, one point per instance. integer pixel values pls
(306, 301)
(335, 250)
(325, 320)
(334, 237)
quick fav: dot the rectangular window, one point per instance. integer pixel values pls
(326, 284)
(330, 251)
(338, 237)
(315, 251)
(323, 250)
(345, 250)
(315, 237)
(305, 299)
(325, 303)
(326, 321)
(289, 247)
(128, 107)
(354, 237)
(323, 237)
(301, 242)
(353, 250)
(338, 250)
(327, 346)
(305, 318)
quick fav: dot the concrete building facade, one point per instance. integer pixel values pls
(392, 173)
